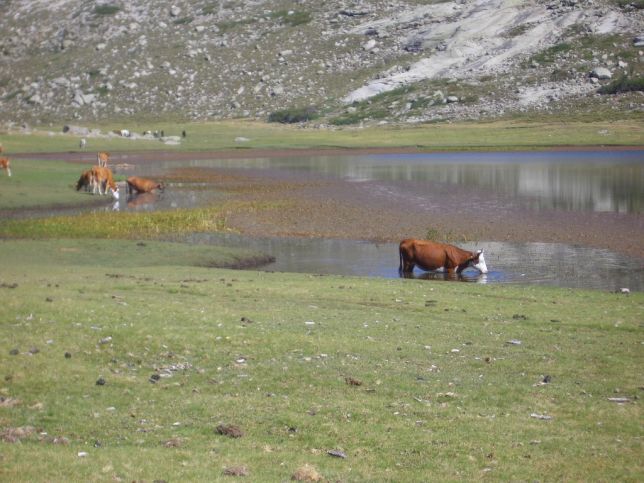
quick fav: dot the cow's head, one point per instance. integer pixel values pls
(115, 193)
(478, 262)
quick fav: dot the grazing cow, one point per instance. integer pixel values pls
(430, 255)
(103, 181)
(82, 143)
(86, 181)
(102, 158)
(142, 185)
(6, 165)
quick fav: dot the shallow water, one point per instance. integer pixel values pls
(600, 181)
(530, 263)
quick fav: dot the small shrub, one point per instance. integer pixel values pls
(290, 116)
(106, 9)
(559, 75)
(347, 119)
(183, 20)
(549, 55)
(294, 19)
(623, 84)
(635, 4)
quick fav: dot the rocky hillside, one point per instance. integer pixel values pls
(344, 61)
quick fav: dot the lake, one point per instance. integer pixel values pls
(577, 181)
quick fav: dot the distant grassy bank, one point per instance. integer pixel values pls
(119, 364)
(256, 135)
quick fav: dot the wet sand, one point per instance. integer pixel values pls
(287, 204)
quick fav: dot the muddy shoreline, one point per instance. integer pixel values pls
(272, 203)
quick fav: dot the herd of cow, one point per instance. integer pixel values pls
(99, 180)
(424, 254)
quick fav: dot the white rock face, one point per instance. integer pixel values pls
(475, 38)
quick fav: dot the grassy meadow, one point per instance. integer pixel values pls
(410, 380)
(124, 358)
(507, 134)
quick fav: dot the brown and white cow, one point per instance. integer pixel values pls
(102, 158)
(430, 255)
(142, 185)
(103, 180)
(6, 165)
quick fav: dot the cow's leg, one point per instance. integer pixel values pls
(406, 265)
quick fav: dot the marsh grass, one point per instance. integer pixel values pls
(130, 225)
(444, 396)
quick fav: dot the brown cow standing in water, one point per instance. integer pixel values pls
(142, 185)
(6, 165)
(441, 257)
(102, 180)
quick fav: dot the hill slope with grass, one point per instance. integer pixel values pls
(342, 61)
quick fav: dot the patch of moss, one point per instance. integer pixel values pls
(106, 9)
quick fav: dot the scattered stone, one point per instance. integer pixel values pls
(336, 453)
(547, 379)
(229, 430)
(154, 378)
(452, 99)
(82, 454)
(601, 73)
(172, 443)
(9, 402)
(369, 45)
(236, 471)
(514, 342)
(105, 340)
(34, 350)
(306, 473)
(638, 41)
(246, 320)
(519, 317)
(60, 440)
(100, 381)
(175, 11)
(241, 139)
(619, 400)
(543, 417)
(14, 352)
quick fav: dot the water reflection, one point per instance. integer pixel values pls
(449, 277)
(611, 181)
(535, 263)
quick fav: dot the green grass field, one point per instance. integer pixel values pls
(504, 135)
(121, 355)
(411, 380)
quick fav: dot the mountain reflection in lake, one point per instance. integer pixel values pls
(531, 263)
(605, 181)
